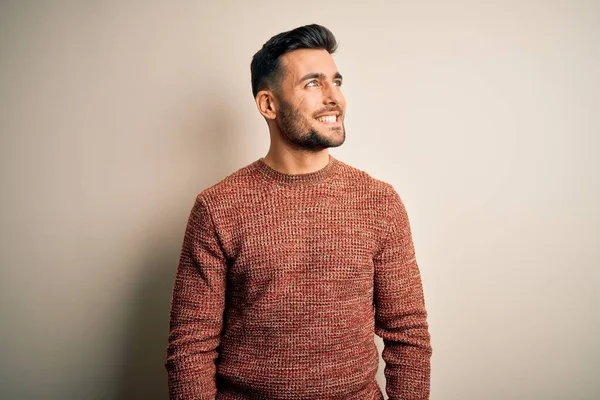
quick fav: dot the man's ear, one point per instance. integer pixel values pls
(265, 102)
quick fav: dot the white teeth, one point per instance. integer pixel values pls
(328, 119)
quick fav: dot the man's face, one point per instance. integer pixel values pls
(310, 99)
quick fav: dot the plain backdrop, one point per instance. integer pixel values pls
(484, 116)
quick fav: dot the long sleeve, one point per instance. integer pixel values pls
(197, 306)
(400, 314)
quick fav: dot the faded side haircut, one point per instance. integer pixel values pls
(265, 68)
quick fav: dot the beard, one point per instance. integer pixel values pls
(299, 131)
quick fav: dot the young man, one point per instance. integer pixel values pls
(292, 263)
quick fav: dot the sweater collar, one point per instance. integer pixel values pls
(320, 175)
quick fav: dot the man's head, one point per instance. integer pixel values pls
(297, 88)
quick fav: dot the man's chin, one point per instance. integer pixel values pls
(335, 137)
(317, 140)
(336, 140)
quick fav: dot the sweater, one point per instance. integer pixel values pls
(282, 282)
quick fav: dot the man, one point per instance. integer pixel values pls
(292, 263)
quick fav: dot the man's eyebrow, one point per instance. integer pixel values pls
(318, 75)
(313, 75)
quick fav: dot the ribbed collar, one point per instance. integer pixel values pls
(297, 179)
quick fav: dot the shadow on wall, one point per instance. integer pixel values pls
(143, 375)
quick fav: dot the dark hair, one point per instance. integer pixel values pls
(265, 68)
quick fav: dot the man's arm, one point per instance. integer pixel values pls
(400, 315)
(197, 308)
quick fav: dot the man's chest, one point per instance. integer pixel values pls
(336, 240)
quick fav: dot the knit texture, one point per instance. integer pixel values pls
(283, 281)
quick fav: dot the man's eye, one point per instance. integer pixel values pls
(312, 83)
(338, 83)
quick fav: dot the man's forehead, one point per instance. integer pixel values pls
(303, 61)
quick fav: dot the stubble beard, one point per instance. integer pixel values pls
(301, 134)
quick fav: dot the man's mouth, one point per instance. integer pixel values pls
(328, 119)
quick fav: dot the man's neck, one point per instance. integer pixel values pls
(296, 162)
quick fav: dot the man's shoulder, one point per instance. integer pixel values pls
(236, 183)
(245, 182)
(363, 180)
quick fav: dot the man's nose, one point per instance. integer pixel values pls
(331, 95)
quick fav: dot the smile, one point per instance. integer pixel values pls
(328, 119)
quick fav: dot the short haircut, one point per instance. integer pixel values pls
(265, 68)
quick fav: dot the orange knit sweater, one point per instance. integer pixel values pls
(282, 282)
